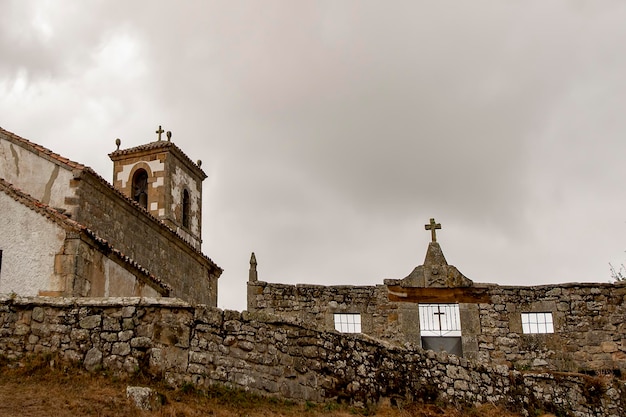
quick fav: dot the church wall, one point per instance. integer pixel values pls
(30, 244)
(96, 274)
(269, 355)
(37, 175)
(143, 239)
(317, 304)
(589, 320)
(180, 181)
(589, 327)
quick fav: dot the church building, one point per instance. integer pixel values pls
(66, 231)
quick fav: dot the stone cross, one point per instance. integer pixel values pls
(432, 226)
(159, 132)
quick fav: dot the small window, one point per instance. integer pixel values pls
(533, 323)
(186, 208)
(348, 323)
(140, 188)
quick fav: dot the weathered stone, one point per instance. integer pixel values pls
(39, 314)
(144, 398)
(125, 335)
(93, 359)
(109, 337)
(120, 349)
(111, 324)
(141, 342)
(128, 311)
(90, 322)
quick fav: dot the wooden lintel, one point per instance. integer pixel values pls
(438, 295)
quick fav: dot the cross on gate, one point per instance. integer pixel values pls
(159, 132)
(439, 313)
(432, 226)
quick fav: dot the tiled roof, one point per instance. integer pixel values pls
(69, 224)
(40, 150)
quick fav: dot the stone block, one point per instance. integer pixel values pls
(144, 398)
(90, 322)
(38, 315)
(141, 342)
(120, 349)
(93, 359)
(111, 324)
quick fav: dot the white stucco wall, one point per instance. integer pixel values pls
(42, 179)
(29, 243)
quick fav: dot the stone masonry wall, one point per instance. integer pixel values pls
(589, 320)
(589, 325)
(316, 305)
(272, 356)
(142, 239)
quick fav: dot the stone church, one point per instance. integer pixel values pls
(66, 231)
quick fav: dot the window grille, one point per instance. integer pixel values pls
(442, 320)
(348, 323)
(533, 323)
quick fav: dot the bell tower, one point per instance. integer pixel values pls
(161, 179)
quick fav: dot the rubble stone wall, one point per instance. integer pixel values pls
(589, 321)
(274, 356)
(589, 327)
(317, 304)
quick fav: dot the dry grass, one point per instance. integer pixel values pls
(37, 390)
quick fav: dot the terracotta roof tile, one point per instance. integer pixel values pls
(156, 145)
(40, 150)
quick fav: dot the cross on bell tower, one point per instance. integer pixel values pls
(159, 131)
(432, 226)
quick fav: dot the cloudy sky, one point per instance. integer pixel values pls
(331, 131)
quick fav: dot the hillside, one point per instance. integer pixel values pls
(36, 389)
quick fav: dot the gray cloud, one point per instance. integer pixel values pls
(331, 131)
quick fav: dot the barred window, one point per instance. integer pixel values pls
(348, 323)
(441, 320)
(537, 323)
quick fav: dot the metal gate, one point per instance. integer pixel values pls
(440, 320)
(440, 327)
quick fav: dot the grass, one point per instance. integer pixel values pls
(41, 386)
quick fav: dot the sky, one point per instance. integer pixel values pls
(332, 131)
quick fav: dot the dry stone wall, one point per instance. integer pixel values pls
(589, 323)
(274, 356)
(316, 305)
(589, 320)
